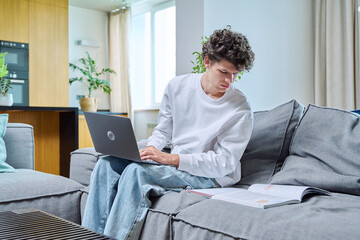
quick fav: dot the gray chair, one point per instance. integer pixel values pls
(27, 188)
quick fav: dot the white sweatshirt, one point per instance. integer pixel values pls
(210, 135)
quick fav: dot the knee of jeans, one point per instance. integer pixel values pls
(101, 165)
(133, 169)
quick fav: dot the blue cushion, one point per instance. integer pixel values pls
(4, 167)
(356, 111)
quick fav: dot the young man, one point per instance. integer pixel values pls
(209, 123)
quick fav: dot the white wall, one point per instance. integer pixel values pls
(281, 33)
(189, 30)
(89, 25)
(140, 121)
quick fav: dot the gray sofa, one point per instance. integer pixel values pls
(318, 147)
(27, 188)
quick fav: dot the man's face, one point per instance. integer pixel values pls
(221, 74)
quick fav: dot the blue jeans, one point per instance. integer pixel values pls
(118, 200)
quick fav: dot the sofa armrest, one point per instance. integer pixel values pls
(83, 160)
(19, 142)
(82, 164)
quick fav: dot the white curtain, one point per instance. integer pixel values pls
(119, 27)
(357, 54)
(337, 54)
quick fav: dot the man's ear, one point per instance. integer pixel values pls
(206, 62)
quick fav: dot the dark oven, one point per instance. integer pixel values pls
(17, 60)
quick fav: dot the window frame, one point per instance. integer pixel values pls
(152, 10)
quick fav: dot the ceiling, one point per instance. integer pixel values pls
(103, 5)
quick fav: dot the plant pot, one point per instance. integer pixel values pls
(89, 104)
(6, 100)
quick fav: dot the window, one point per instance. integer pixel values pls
(152, 54)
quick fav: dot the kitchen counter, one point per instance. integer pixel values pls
(55, 134)
(27, 108)
(106, 112)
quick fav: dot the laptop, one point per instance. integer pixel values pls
(114, 135)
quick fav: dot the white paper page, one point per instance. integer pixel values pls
(214, 191)
(250, 198)
(293, 192)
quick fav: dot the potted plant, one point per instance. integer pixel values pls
(91, 80)
(6, 99)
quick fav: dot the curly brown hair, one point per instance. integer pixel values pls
(230, 46)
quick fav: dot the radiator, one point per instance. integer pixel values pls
(36, 224)
(150, 126)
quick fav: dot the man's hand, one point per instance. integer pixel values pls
(151, 152)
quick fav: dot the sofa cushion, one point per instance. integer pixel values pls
(83, 200)
(32, 189)
(317, 217)
(269, 143)
(20, 134)
(4, 167)
(26, 184)
(159, 218)
(82, 163)
(324, 152)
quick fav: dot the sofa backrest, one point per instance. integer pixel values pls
(324, 152)
(19, 142)
(269, 143)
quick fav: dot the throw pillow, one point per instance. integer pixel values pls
(324, 152)
(356, 111)
(269, 143)
(4, 167)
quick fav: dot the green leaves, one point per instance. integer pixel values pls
(5, 85)
(104, 70)
(96, 83)
(199, 61)
(3, 67)
(90, 75)
(71, 80)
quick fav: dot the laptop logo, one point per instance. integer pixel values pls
(111, 135)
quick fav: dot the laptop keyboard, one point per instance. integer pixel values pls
(151, 161)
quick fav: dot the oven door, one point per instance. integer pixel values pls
(16, 58)
(20, 92)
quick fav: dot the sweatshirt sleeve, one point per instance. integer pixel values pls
(163, 131)
(229, 148)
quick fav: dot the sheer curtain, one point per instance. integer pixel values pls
(119, 27)
(357, 54)
(337, 54)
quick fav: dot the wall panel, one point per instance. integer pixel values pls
(49, 69)
(14, 20)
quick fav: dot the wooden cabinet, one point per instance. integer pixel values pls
(57, 3)
(55, 135)
(48, 53)
(84, 134)
(14, 20)
(44, 25)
